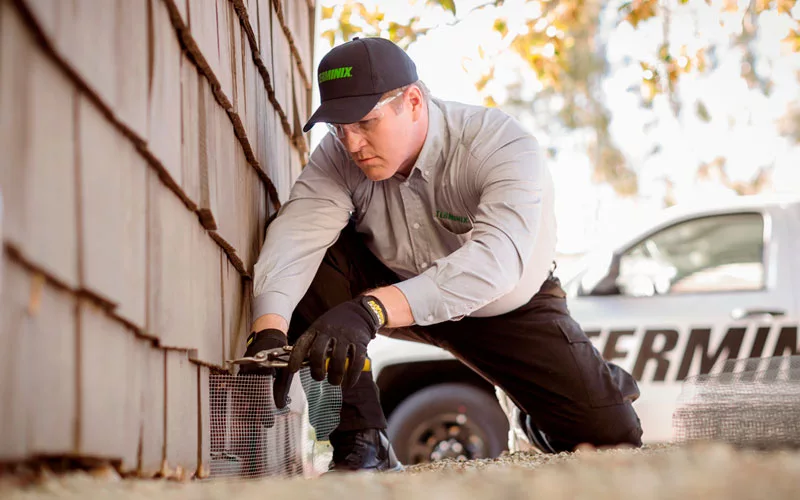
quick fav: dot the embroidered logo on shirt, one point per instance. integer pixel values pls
(448, 216)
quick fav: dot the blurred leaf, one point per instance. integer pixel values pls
(373, 19)
(762, 5)
(484, 80)
(489, 101)
(785, 6)
(449, 5)
(789, 124)
(327, 12)
(330, 36)
(793, 39)
(611, 168)
(730, 6)
(663, 53)
(501, 26)
(637, 11)
(702, 112)
(700, 60)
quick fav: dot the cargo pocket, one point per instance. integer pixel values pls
(600, 386)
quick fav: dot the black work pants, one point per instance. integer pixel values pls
(537, 354)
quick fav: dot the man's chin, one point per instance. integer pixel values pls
(377, 173)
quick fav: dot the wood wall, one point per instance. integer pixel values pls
(144, 144)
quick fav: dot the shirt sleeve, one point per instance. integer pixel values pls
(510, 184)
(319, 206)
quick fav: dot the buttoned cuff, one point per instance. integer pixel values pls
(272, 302)
(425, 299)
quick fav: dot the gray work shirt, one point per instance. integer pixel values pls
(471, 230)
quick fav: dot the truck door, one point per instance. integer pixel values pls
(688, 296)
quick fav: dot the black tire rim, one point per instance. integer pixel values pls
(447, 435)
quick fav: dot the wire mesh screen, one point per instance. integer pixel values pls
(251, 438)
(751, 402)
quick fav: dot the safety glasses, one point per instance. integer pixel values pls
(367, 125)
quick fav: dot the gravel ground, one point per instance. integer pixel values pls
(707, 471)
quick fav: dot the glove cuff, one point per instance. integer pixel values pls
(267, 334)
(376, 310)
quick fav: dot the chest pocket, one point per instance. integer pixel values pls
(453, 223)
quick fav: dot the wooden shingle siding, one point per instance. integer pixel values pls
(185, 300)
(110, 406)
(222, 177)
(238, 97)
(190, 131)
(38, 143)
(51, 323)
(264, 49)
(182, 412)
(203, 27)
(153, 375)
(132, 64)
(15, 294)
(298, 21)
(165, 93)
(181, 8)
(251, 212)
(253, 92)
(282, 70)
(263, 128)
(204, 417)
(225, 18)
(202, 333)
(112, 176)
(39, 406)
(145, 143)
(299, 102)
(85, 37)
(235, 311)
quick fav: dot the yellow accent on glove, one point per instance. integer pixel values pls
(367, 365)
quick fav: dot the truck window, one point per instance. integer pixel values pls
(709, 254)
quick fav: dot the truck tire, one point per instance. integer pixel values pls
(451, 420)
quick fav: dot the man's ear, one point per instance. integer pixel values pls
(416, 101)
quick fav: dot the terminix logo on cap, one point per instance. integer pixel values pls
(335, 74)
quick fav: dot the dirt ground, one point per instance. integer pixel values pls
(702, 471)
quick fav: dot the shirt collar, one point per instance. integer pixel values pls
(432, 153)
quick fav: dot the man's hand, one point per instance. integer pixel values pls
(342, 334)
(262, 340)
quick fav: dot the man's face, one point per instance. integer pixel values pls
(381, 142)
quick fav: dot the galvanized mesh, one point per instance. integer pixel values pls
(752, 403)
(251, 438)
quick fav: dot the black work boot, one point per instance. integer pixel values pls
(535, 435)
(367, 449)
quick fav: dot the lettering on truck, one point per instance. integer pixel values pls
(664, 355)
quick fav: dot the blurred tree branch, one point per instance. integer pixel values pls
(558, 41)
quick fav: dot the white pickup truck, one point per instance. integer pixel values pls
(697, 288)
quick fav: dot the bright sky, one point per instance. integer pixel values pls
(742, 127)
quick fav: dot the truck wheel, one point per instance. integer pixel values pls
(456, 421)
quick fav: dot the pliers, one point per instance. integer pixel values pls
(277, 357)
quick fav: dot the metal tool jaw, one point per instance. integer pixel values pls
(268, 358)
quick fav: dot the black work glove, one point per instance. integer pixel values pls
(342, 334)
(281, 377)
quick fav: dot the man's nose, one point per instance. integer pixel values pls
(353, 141)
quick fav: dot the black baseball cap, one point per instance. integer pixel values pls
(354, 75)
